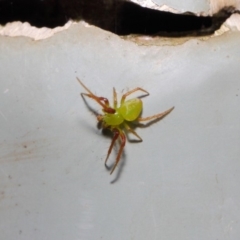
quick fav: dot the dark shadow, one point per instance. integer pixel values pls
(99, 125)
(121, 17)
(89, 107)
(106, 132)
(119, 168)
(143, 95)
(39, 13)
(132, 139)
(134, 19)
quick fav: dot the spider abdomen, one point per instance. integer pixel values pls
(131, 109)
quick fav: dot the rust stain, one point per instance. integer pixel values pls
(25, 150)
(2, 195)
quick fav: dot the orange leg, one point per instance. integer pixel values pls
(160, 115)
(123, 138)
(132, 91)
(99, 100)
(115, 137)
(105, 100)
(114, 98)
(88, 90)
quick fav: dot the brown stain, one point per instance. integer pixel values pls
(2, 195)
(25, 150)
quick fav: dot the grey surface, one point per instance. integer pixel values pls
(181, 182)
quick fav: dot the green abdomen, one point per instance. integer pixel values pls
(131, 109)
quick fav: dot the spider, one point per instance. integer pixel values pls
(116, 118)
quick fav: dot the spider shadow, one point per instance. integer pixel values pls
(121, 164)
(119, 168)
(108, 134)
(128, 134)
(134, 125)
(89, 107)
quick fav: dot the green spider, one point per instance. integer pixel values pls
(116, 118)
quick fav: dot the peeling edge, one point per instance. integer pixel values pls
(152, 5)
(24, 29)
(19, 29)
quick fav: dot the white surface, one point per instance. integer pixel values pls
(181, 182)
(182, 6)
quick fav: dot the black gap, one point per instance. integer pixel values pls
(118, 16)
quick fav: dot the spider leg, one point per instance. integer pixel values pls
(105, 100)
(132, 131)
(132, 91)
(160, 115)
(114, 98)
(99, 100)
(105, 106)
(123, 138)
(115, 137)
(88, 90)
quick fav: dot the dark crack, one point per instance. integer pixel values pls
(117, 16)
